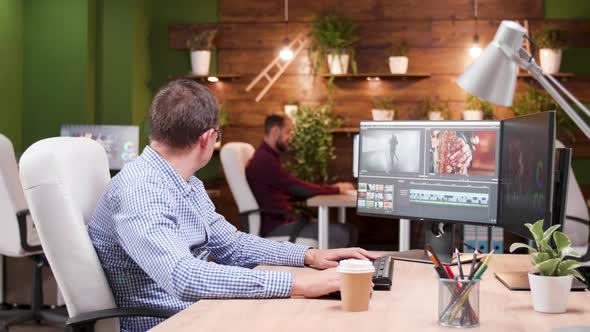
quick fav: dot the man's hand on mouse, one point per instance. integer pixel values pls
(328, 258)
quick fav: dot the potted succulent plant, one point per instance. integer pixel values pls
(550, 42)
(333, 37)
(478, 109)
(383, 109)
(398, 59)
(551, 281)
(291, 108)
(200, 45)
(433, 109)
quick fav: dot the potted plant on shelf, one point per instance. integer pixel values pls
(550, 42)
(312, 146)
(552, 280)
(433, 109)
(383, 109)
(534, 101)
(398, 59)
(333, 37)
(478, 109)
(290, 108)
(200, 45)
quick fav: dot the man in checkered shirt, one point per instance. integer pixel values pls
(159, 239)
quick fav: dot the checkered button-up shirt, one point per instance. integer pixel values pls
(154, 232)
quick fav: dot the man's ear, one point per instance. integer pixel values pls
(205, 137)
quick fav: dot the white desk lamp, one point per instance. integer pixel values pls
(492, 76)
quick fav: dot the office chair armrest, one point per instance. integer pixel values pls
(578, 220)
(300, 223)
(21, 218)
(86, 321)
(586, 256)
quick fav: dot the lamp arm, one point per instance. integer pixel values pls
(568, 94)
(537, 73)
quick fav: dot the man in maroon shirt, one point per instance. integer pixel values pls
(275, 188)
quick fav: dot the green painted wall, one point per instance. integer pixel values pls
(58, 71)
(567, 9)
(11, 50)
(166, 62)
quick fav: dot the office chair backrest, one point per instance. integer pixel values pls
(63, 179)
(234, 158)
(12, 200)
(575, 207)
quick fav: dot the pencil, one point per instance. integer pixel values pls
(449, 271)
(459, 263)
(441, 272)
(473, 260)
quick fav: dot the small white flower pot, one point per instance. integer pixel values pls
(550, 294)
(435, 116)
(200, 61)
(472, 115)
(338, 63)
(550, 60)
(382, 115)
(398, 64)
(290, 111)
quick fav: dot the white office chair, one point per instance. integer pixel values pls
(63, 179)
(577, 218)
(18, 238)
(234, 158)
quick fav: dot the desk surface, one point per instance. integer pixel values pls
(411, 305)
(333, 201)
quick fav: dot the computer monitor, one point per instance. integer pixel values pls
(527, 163)
(410, 170)
(355, 156)
(120, 142)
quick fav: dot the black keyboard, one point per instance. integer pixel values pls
(383, 273)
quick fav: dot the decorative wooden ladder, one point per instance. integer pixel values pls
(279, 65)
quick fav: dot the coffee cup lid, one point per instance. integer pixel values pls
(355, 266)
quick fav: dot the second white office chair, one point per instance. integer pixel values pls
(234, 158)
(63, 179)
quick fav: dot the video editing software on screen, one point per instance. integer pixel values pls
(430, 170)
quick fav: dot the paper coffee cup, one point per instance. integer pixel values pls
(355, 284)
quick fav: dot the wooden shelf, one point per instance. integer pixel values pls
(205, 78)
(346, 130)
(558, 75)
(377, 76)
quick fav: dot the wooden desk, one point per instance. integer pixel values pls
(411, 305)
(323, 203)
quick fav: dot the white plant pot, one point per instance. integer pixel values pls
(200, 61)
(550, 60)
(382, 115)
(290, 111)
(472, 115)
(398, 64)
(435, 116)
(550, 294)
(338, 63)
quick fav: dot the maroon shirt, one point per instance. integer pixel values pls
(275, 188)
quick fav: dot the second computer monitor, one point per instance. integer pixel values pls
(430, 170)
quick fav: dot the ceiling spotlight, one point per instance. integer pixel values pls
(212, 79)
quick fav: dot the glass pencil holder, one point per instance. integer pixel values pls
(458, 303)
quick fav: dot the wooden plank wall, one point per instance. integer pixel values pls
(438, 32)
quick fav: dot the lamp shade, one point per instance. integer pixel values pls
(492, 76)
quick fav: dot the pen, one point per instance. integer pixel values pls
(459, 264)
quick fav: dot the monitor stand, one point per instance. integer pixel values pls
(442, 239)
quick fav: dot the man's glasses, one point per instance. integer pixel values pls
(219, 135)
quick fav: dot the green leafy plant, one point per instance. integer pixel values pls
(474, 103)
(534, 101)
(312, 142)
(224, 115)
(549, 38)
(332, 34)
(202, 41)
(548, 260)
(384, 103)
(399, 49)
(428, 105)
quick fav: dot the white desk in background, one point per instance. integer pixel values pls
(325, 202)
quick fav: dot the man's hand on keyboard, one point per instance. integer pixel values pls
(315, 283)
(328, 258)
